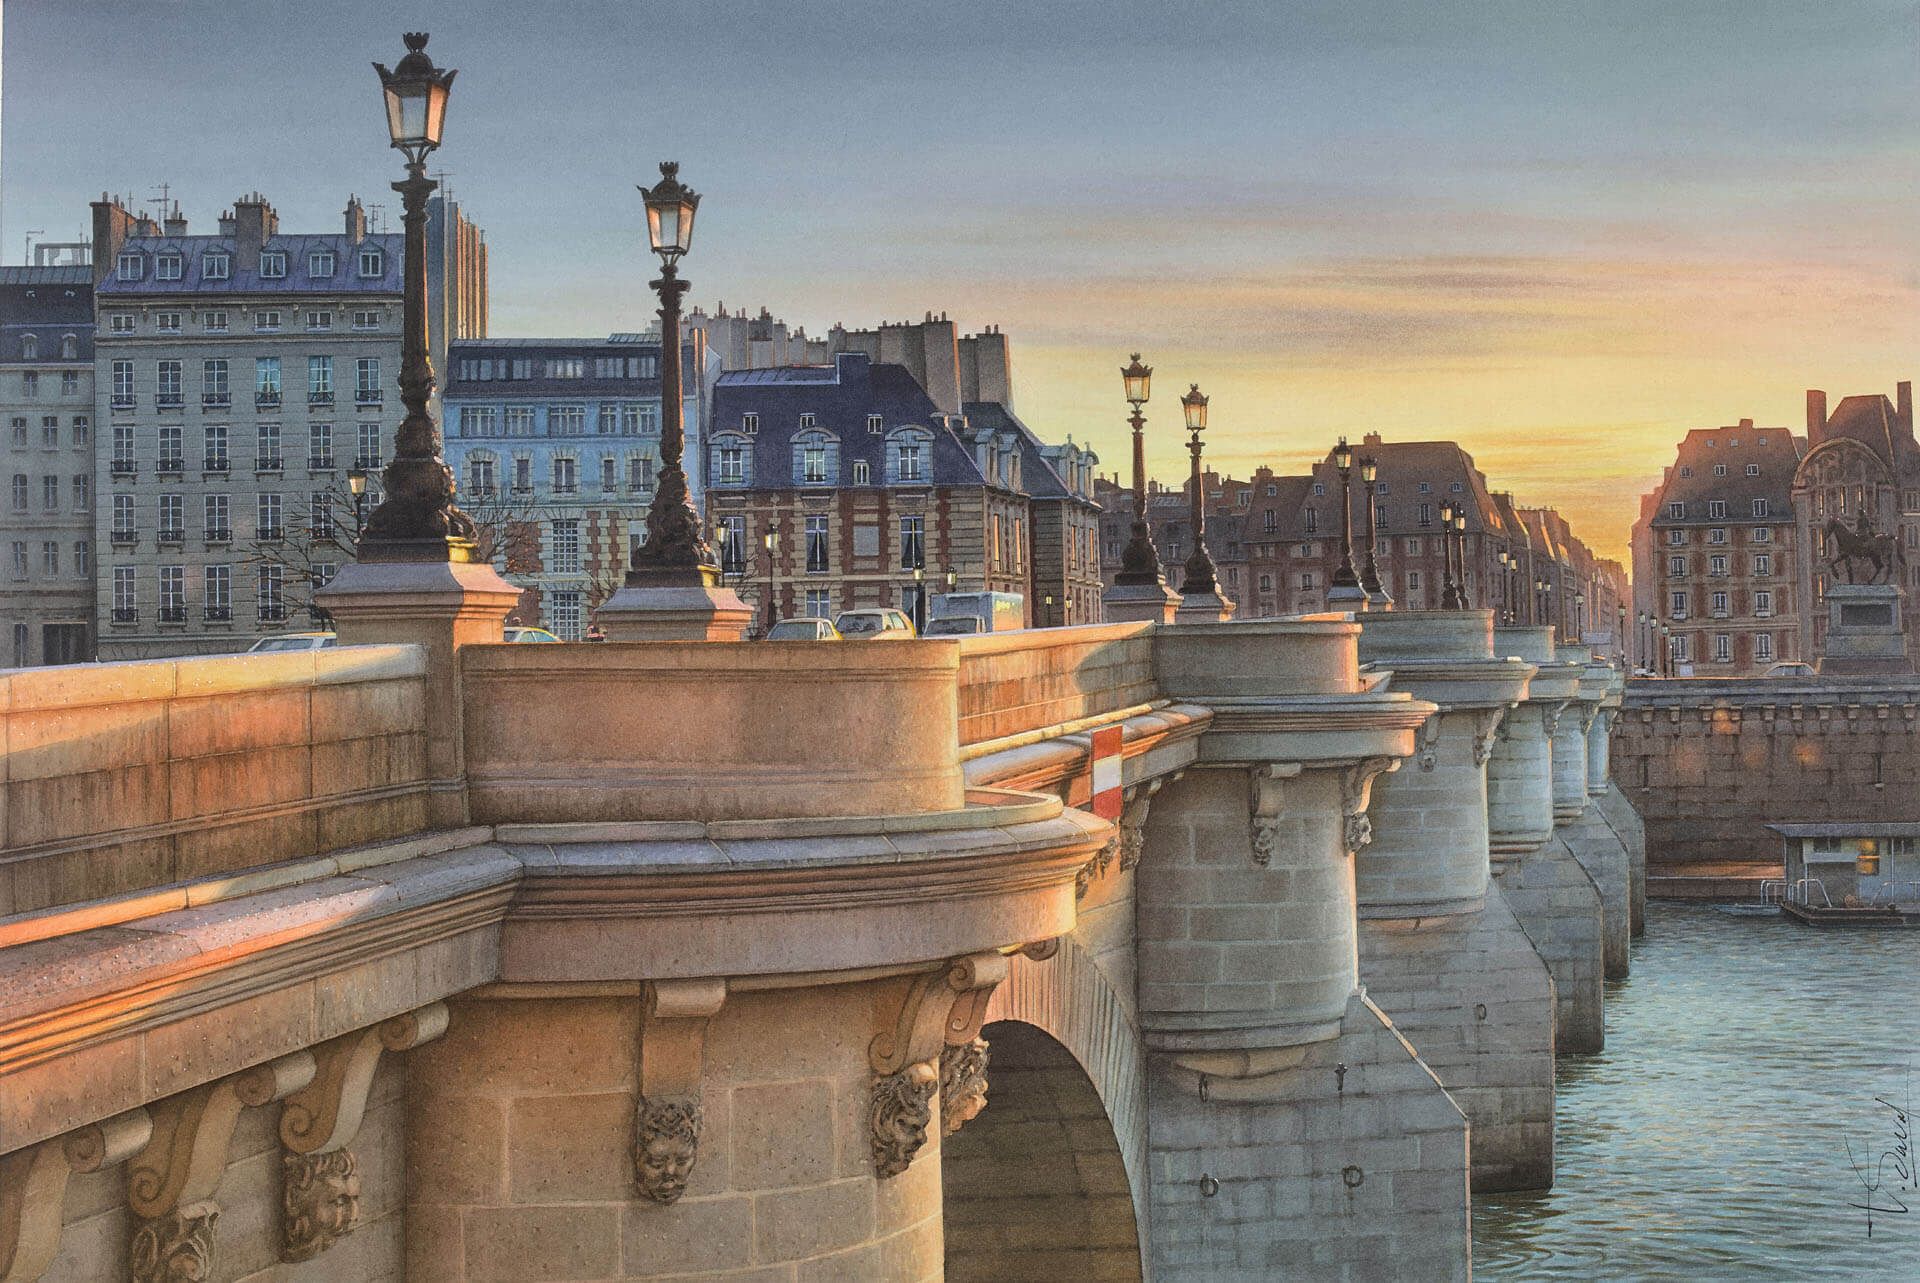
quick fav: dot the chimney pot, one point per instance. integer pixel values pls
(1816, 416)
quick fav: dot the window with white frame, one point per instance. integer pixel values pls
(130, 266)
(1720, 605)
(122, 323)
(1677, 605)
(566, 420)
(913, 542)
(1677, 511)
(167, 322)
(1762, 563)
(1723, 648)
(1717, 564)
(267, 516)
(732, 532)
(273, 265)
(566, 479)
(640, 471)
(1716, 509)
(862, 472)
(214, 322)
(366, 379)
(1763, 603)
(123, 520)
(372, 261)
(816, 533)
(749, 423)
(1676, 566)
(566, 614)
(483, 477)
(1717, 534)
(479, 420)
(1762, 647)
(1760, 508)
(216, 265)
(125, 593)
(216, 517)
(819, 603)
(1763, 534)
(319, 320)
(519, 420)
(218, 592)
(563, 551)
(320, 263)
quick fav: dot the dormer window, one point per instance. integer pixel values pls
(166, 267)
(216, 266)
(1719, 469)
(372, 262)
(874, 423)
(806, 421)
(130, 267)
(29, 347)
(69, 347)
(750, 424)
(320, 263)
(1685, 471)
(273, 266)
(1753, 469)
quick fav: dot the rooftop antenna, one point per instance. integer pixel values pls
(377, 215)
(446, 192)
(164, 199)
(27, 253)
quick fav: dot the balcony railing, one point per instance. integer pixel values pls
(220, 534)
(217, 613)
(272, 613)
(368, 462)
(324, 397)
(122, 402)
(122, 538)
(367, 396)
(173, 614)
(170, 466)
(168, 401)
(269, 463)
(214, 463)
(272, 532)
(125, 468)
(173, 534)
(215, 400)
(125, 615)
(320, 463)
(266, 400)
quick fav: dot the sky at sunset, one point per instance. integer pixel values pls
(1562, 234)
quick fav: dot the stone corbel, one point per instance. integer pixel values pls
(963, 1084)
(1427, 743)
(1133, 817)
(1096, 867)
(33, 1188)
(320, 1176)
(1266, 799)
(1489, 726)
(1356, 794)
(1550, 718)
(170, 1183)
(936, 1010)
(668, 1112)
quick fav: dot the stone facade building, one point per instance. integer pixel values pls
(556, 447)
(46, 397)
(861, 479)
(240, 377)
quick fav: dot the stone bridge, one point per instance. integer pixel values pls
(433, 958)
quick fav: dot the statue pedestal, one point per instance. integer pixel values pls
(1866, 631)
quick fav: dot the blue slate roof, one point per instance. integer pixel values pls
(1037, 476)
(245, 277)
(48, 303)
(840, 397)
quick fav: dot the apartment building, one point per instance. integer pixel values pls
(47, 458)
(245, 382)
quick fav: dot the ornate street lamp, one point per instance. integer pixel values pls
(417, 520)
(1346, 582)
(1140, 563)
(1199, 578)
(953, 579)
(1544, 589)
(1449, 589)
(1460, 538)
(1505, 559)
(1377, 594)
(674, 555)
(357, 486)
(920, 597)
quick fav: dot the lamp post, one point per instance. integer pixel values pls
(1666, 649)
(1505, 559)
(417, 519)
(1620, 635)
(1346, 582)
(674, 554)
(1460, 538)
(1199, 578)
(1376, 591)
(771, 541)
(1543, 587)
(357, 485)
(920, 596)
(1449, 588)
(1140, 563)
(1579, 616)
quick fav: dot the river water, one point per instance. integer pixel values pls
(1710, 1139)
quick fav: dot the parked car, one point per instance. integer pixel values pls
(878, 624)
(517, 634)
(293, 641)
(1791, 668)
(955, 626)
(803, 628)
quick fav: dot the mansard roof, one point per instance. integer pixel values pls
(1692, 481)
(245, 278)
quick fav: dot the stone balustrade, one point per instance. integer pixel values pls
(1038, 680)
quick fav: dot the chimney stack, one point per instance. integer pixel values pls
(1816, 416)
(1904, 408)
(111, 227)
(253, 222)
(175, 224)
(356, 220)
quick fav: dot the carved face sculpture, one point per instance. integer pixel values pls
(321, 1196)
(666, 1142)
(963, 1084)
(901, 1109)
(176, 1248)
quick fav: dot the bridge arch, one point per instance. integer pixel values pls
(1054, 1024)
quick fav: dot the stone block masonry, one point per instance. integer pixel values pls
(1556, 901)
(1709, 764)
(1598, 848)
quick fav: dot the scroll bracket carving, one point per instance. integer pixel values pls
(1356, 794)
(326, 1113)
(1489, 726)
(1427, 746)
(935, 1011)
(1266, 799)
(33, 1188)
(669, 1112)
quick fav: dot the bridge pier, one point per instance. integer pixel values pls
(1440, 951)
(1552, 896)
(1613, 805)
(1292, 1131)
(1586, 833)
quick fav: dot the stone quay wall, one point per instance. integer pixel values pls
(1709, 763)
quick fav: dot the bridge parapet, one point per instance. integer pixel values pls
(118, 777)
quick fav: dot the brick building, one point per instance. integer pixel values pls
(556, 445)
(1720, 549)
(46, 527)
(861, 479)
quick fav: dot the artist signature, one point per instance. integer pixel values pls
(1891, 1179)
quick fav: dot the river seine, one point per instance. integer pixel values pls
(1751, 1067)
